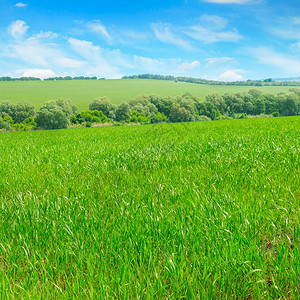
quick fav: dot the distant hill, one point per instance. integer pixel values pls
(287, 79)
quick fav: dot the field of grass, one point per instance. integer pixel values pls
(206, 210)
(83, 92)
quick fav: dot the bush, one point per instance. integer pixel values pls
(93, 116)
(22, 111)
(103, 104)
(203, 118)
(159, 118)
(137, 117)
(51, 116)
(123, 112)
(30, 122)
(5, 125)
(20, 127)
(179, 114)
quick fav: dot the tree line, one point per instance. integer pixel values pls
(145, 109)
(266, 82)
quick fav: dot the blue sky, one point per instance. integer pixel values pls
(213, 39)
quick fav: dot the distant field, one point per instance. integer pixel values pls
(206, 210)
(83, 92)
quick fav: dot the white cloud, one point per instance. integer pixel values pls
(215, 61)
(18, 28)
(285, 63)
(39, 73)
(189, 66)
(232, 1)
(163, 32)
(21, 4)
(212, 29)
(95, 56)
(231, 75)
(46, 35)
(97, 27)
(40, 54)
(203, 34)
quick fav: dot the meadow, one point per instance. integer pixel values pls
(206, 210)
(82, 92)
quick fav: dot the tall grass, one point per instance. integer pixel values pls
(195, 210)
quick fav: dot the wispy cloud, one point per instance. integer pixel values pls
(165, 34)
(36, 51)
(212, 30)
(47, 35)
(97, 27)
(21, 4)
(216, 61)
(286, 63)
(18, 28)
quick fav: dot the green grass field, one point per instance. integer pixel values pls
(206, 210)
(83, 92)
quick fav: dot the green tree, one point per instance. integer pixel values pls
(22, 111)
(6, 109)
(159, 118)
(123, 112)
(103, 104)
(51, 116)
(179, 114)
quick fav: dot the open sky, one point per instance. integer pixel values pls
(212, 39)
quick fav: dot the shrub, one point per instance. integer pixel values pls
(22, 111)
(123, 112)
(5, 125)
(30, 122)
(103, 104)
(50, 116)
(179, 114)
(159, 118)
(137, 117)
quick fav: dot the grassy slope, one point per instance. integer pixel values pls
(204, 210)
(83, 92)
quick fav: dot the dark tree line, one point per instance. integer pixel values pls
(149, 109)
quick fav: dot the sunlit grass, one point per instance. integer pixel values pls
(197, 210)
(83, 92)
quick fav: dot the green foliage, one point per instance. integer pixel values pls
(30, 122)
(22, 111)
(159, 118)
(20, 127)
(66, 106)
(123, 112)
(179, 114)
(51, 116)
(103, 104)
(9, 120)
(93, 116)
(137, 117)
(4, 125)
